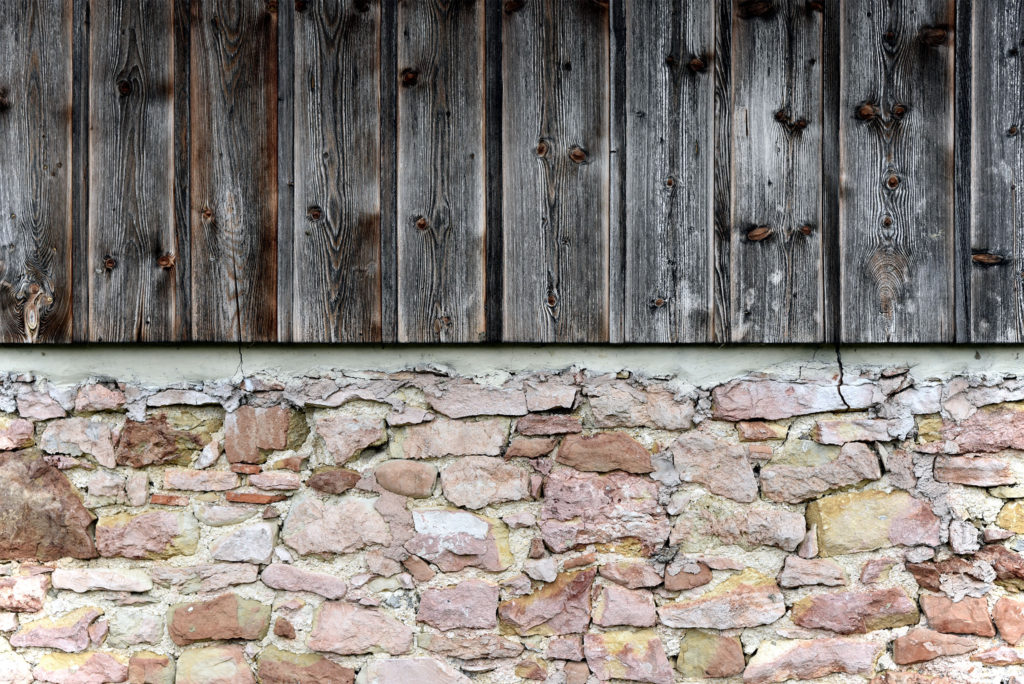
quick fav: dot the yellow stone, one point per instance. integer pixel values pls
(929, 428)
(1011, 517)
(855, 521)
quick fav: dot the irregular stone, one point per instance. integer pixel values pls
(227, 616)
(550, 424)
(106, 484)
(14, 669)
(200, 480)
(550, 394)
(584, 508)
(219, 516)
(621, 404)
(576, 673)
(77, 436)
(991, 428)
(313, 526)
(101, 579)
(842, 431)
(721, 467)
(704, 655)
(98, 398)
(478, 481)
(856, 612)
(333, 480)
(469, 646)
(759, 430)
(876, 569)
(291, 578)
(24, 594)
(470, 604)
(779, 661)
(1002, 656)
(631, 575)
(81, 668)
(39, 406)
(407, 670)
(853, 463)
(154, 442)
(542, 569)
(453, 539)
(800, 572)
(967, 616)
(213, 665)
(248, 431)
(208, 455)
(418, 568)
(206, 577)
(443, 437)
(146, 667)
(977, 471)
(407, 478)
(774, 399)
(41, 514)
(68, 632)
(530, 447)
(561, 607)
(132, 626)
(863, 521)
(613, 606)
(346, 436)
(283, 667)
(603, 452)
(711, 519)
(1011, 517)
(408, 415)
(531, 668)
(746, 599)
(172, 397)
(250, 544)
(347, 629)
(683, 574)
(149, 535)
(638, 656)
(136, 488)
(1009, 566)
(1008, 615)
(921, 645)
(564, 648)
(276, 480)
(15, 433)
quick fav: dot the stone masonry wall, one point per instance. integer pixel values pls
(421, 527)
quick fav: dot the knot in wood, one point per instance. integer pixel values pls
(892, 182)
(697, 65)
(552, 300)
(300, 5)
(934, 36)
(109, 263)
(987, 259)
(5, 100)
(781, 116)
(542, 149)
(887, 221)
(816, 6)
(409, 77)
(800, 124)
(899, 111)
(578, 154)
(759, 233)
(806, 229)
(658, 302)
(1012, 131)
(272, 6)
(166, 261)
(363, 6)
(314, 213)
(866, 111)
(670, 181)
(421, 223)
(124, 87)
(755, 9)
(513, 6)
(207, 214)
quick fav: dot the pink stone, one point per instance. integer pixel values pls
(682, 574)
(152, 534)
(461, 399)
(875, 568)
(546, 395)
(98, 398)
(346, 436)
(15, 433)
(478, 481)
(291, 578)
(227, 616)
(746, 599)
(213, 665)
(284, 667)
(810, 659)
(721, 467)
(585, 508)
(249, 544)
(276, 480)
(617, 403)
(443, 437)
(470, 604)
(68, 632)
(206, 577)
(530, 447)
(408, 415)
(456, 539)
(548, 424)
(469, 646)
(25, 594)
(39, 406)
(407, 478)
(1001, 656)
(249, 429)
(637, 656)
(200, 480)
(146, 667)
(793, 483)
(921, 645)
(613, 605)
(750, 526)
(773, 399)
(856, 611)
(967, 616)
(85, 668)
(977, 471)
(76, 436)
(1008, 615)
(313, 526)
(347, 629)
(631, 575)
(101, 579)
(851, 430)
(561, 607)
(757, 431)
(565, 648)
(603, 452)
(992, 428)
(409, 670)
(800, 572)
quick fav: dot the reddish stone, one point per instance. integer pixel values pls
(530, 447)
(80, 668)
(253, 498)
(347, 436)
(977, 471)
(846, 430)
(146, 667)
(568, 647)
(39, 406)
(154, 442)
(603, 452)
(576, 673)
(24, 594)
(612, 605)
(77, 436)
(278, 479)
(290, 578)
(712, 521)
(169, 500)
(875, 568)
(992, 428)
(313, 526)
(213, 665)
(443, 437)
(284, 629)
(147, 535)
(347, 629)
(454, 539)
(757, 430)
(800, 572)
(631, 575)
(68, 632)
(1008, 614)
(228, 616)
(464, 398)
(967, 616)
(617, 403)
(809, 659)
(469, 646)
(561, 607)
(333, 480)
(1009, 566)
(1002, 656)
(685, 575)
(98, 398)
(199, 480)
(921, 645)
(409, 670)
(704, 655)
(721, 467)
(774, 399)
(15, 433)
(856, 612)
(638, 656)
(407, 478)
(531, 669)
(470, 604)
(283, 667)
(478, 481)
(557, 424)
(245, 468)
(41, 514)
(855, 462)
(746, 599)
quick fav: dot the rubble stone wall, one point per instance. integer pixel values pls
(857, 524)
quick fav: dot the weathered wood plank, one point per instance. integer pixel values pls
(492, 150)
(182, 168)
(131, 200)
(556, 199)
(777, 267)
(997, 172)
(896, 142)
(286, 226)
(337, 285)
(831, 59)
(669, 84)
(721, 202)
(441, 171)
(35, 171)
(80, 170)
(234, 170)
(963, 88)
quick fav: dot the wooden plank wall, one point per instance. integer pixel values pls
(547, 171)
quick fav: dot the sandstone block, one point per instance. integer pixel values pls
(621, 404)
(213, 665)
(148, 535)
(200, 480)
(408, 670)
(603, 452)
(154, 442)
(779, 661)
(347, 629)
(101, 579)
(746, 599)
(15, 433)
(638, 656)
(478, 481)
(976, 471)
(842, 431)
(704, 655)
(856, 612)
(346, 436)
(793, 483)
(313, 526)
(276, 480)
(81, 668)
(631, 575)
(283, 667)
(800, 572)
(868, 520)
(710, 521)
(1008, 615)
(227, 616)
(1001, 656)
(146, 667)
(470, 604)
(248, 431)
(967, 616)
(774, 399)
(23, 594)
(721, 467)
(467, 646)
(921, 645)
(291, 578)
(443, 437)
(462, 399)
(68, 632)
(77, 436)
(333, 480)
(613, 606)
(249, 544)
(551, 424)
(407, 478)
(561, 607)
(454, 539)
(98, 398)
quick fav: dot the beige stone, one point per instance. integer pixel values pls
(868, 520)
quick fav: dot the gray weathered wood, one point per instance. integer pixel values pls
(556, 138)
(896, 143)
(79, 180)
(997, 172)
(132, 251)
(234, 170)
(831, 59)
(35, 171)
(182, 167)
(777, 266)
(669, 85)
(387, 57)
(286, 227)
(441, 171)
(337, 286)
(721, 202)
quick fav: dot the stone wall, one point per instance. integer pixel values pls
(570, 527)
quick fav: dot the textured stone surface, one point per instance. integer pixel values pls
(407, 670)
(346, 436)
(851, 430)
(771, 399)
(721, 467)
(291, 578)
(345, 629)
(15, 433)
(477, 481)
(213, 665)
(153, 442)
(76, 436)
(96, 579)
(620, 404)
(227, 616)
(98, 398)
(68, 632)
(148, 535)
(967, 616)
(454, 539)
(921, 645)
(314, 526)
(471, 604)
(710, 521)
(746, 599)
(977, 471)
(81, 668)
(250, 544)
(631, 575)
(863, 521)
(467, 646)
(200, 480)
(638, 656)
(248, 431)
(612, 606)
(800, 572)
(408, 478)
(283, 667)
(856, 612)
(603, 452)
(1008, 614)
(441, 437)
(333, 480)
(794, 483)
(14, 669)
(556, 424)
(709, 655)
(23, 594)
(992, 428)
(561, 607)
(778, 661)
(147, 667)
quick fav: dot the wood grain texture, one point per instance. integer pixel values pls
(896, 142)
(79, 170)
(831, 59)
(669, 85)
(286, 228)
(441, 171)
(997, 172)
(182, 169)
(337, 285)
(132, 251)
(387, 57)
(777, 266)
(556, 144)
(35, 171)
(234, 170)
(721, 201)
